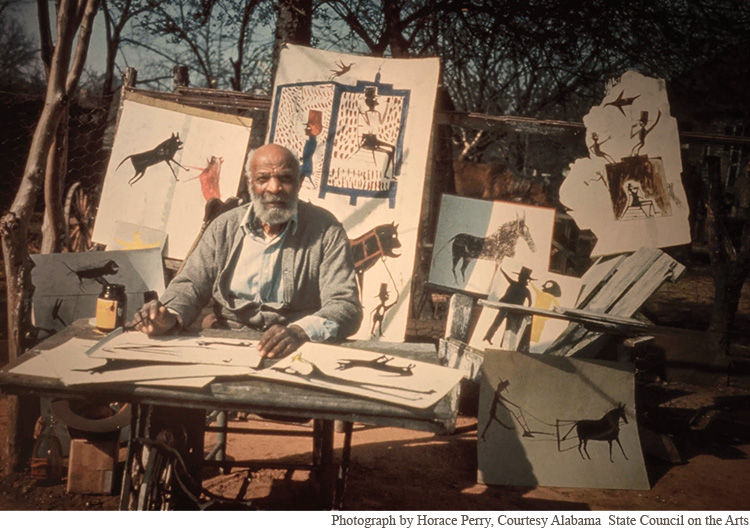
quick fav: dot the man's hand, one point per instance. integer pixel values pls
(153, 319)
(279, 341)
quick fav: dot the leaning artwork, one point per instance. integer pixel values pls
(535, 289)
(628, 191)
(168, 160)
(67, 285)
(360, 127)
(558, 422)
(473, 237)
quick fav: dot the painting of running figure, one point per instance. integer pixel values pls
(574, 427)
(629, 191)
(474, 236)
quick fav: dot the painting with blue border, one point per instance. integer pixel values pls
(349, 138)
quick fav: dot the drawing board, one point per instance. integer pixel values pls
(361, 128)
(535, 409)
(629, 191)
(66, 285)
(167, 161)
(364, 373)
(474, 236)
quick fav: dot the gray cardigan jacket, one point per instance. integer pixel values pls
(317, 275)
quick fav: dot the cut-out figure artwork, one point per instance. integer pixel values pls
(341, 69)
(376, 244)
(56, 312)
(516, 293)
(378, 364)
(621, 102)
(370, 122)
(95, 273)
(495, 247)
(378, 313)
(545, 298)
(638, 200)
(315, 375)
(499, 400)
(641, 130)
(313, 128)
(606, 428)
(164, 152)
(596, 148)
(209, 178)
(136, 243)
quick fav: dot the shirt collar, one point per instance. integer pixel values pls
(250, 224)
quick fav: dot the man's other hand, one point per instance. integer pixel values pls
(280, 341)
(154, 319)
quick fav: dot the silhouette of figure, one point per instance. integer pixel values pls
(313, 128)
(596, 148)
(499, 400)
(638, 201)
(546, 299)
(517, 293)
(639, 128)
(379, 312)
(369, 124)
(599, 178)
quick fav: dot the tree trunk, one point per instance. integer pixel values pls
(293, 26)
(71, 16)
(53, 226)
(730, 266)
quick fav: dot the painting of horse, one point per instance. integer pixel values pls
(606, 428)
(498, 245)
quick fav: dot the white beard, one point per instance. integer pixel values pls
(274, 215)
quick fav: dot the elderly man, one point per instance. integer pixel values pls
(274, 265)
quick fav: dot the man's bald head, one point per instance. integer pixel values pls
(274, 154)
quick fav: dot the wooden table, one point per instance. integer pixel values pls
(157, 407)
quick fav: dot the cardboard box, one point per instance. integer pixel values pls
(91, 466)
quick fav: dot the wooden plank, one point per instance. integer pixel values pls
(459, 355)
(630, 285)
(596, 276)
(459, 317)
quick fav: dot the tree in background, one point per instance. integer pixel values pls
(74, 18)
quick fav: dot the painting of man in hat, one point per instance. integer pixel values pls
(313, 128)
(517, 293)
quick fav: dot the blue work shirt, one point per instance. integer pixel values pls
(257, 273)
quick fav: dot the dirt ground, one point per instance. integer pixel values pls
(397, 469)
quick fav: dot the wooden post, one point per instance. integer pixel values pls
(181, 77)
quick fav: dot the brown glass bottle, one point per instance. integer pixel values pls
(110, 307)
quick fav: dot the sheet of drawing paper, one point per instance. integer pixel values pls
(629, 190)
(364, 373)
(361, 128)
(66, 285)
(140, 371)
(68, 359)
(546, 291)
(167, 161)
(474, 236)
(179, 349)
(58, 361)
(130, 236)
(535, 410)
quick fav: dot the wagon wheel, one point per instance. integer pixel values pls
(79, 218)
